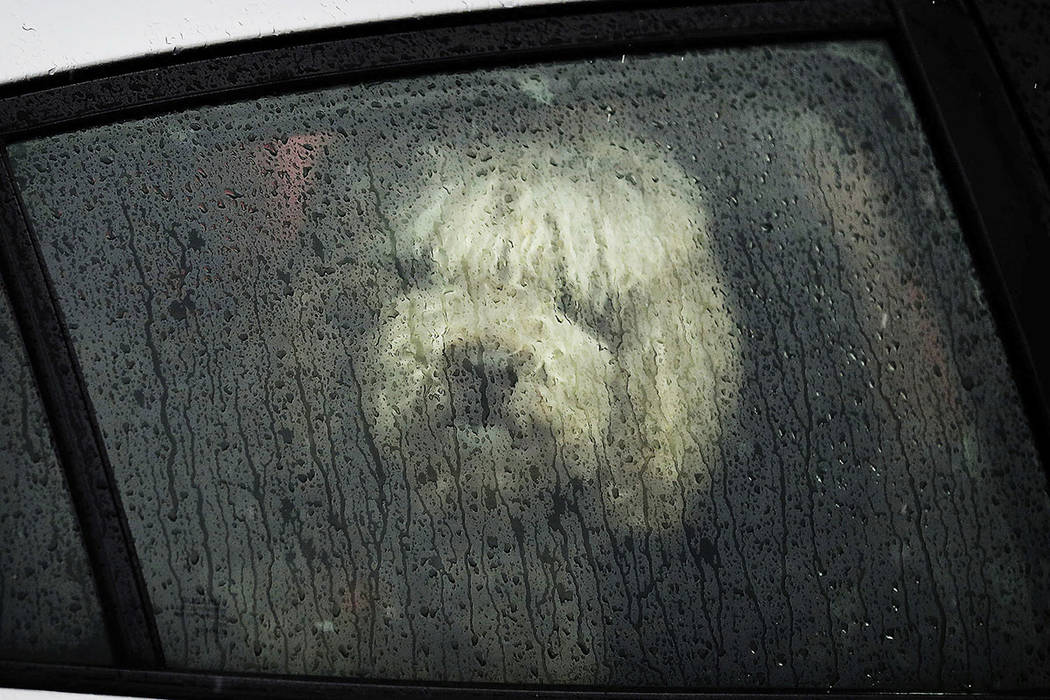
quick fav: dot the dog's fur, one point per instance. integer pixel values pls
(576, 283)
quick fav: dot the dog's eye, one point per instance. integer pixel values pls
(568, 306)
(604, 319)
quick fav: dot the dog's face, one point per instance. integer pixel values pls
(567, 325)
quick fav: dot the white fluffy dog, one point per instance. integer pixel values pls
(571, 314)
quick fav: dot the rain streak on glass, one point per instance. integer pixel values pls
(668, 370)
(48, 606)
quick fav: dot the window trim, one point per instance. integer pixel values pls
(129, 623)
(188, 684)
(989, 164)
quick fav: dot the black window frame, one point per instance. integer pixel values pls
(997, 181)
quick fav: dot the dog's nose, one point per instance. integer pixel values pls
(481, 380)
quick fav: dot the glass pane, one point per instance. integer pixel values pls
(661, 370)
(48, 607)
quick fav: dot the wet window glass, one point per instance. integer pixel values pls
(48, 606)
(664, 370)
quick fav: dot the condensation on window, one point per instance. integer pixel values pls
(652, 371)
(49, 610)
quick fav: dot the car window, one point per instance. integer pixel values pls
(642, 370)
